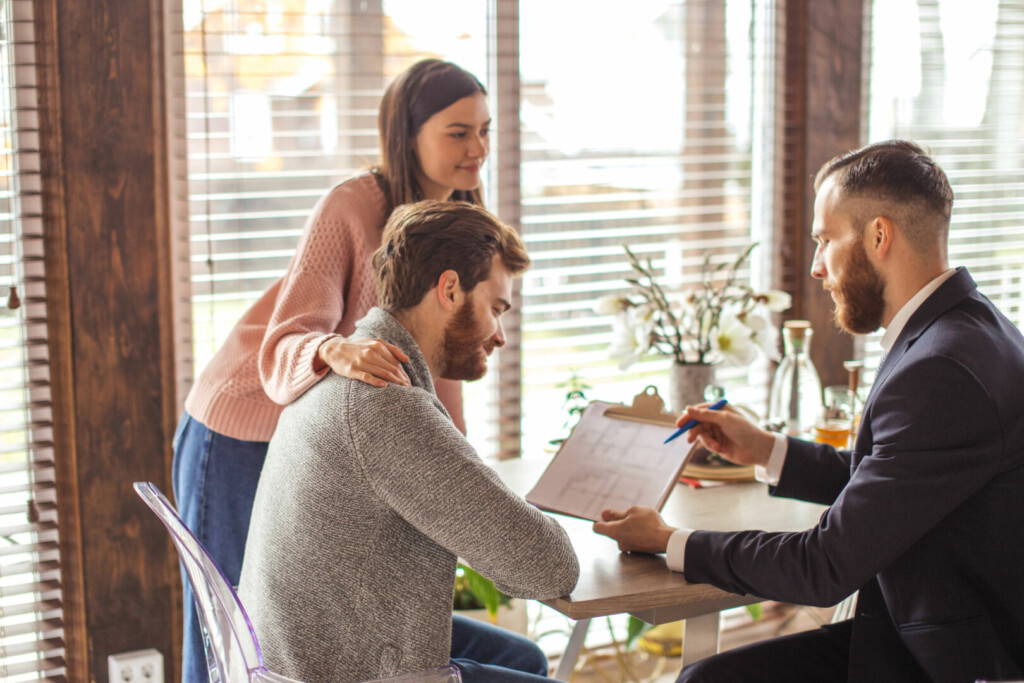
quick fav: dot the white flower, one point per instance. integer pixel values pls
(734, 341)
(777, 301)
(625, 347)
(764, 334)
(611, 304)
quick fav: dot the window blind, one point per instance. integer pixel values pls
(281, 103)
(638, 131)
(654, 147)
(31, 636)
(953, 82)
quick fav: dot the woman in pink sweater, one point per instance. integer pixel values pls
(433, 125)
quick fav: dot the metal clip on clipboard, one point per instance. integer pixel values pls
(648, 406)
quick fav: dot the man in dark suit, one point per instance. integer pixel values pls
(926, 511)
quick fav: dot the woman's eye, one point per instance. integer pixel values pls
(458, 136)
(485, 132)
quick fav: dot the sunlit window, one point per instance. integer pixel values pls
(652, 147)
(950, 75)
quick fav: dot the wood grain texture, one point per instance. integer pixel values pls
(823, 55)
(115, 346)
(612, 582)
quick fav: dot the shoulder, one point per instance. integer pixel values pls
(401, 403)
(357, 200)
(976, 335)
(393, 416)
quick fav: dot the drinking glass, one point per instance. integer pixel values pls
(836, 417)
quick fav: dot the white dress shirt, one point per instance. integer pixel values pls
(772, 470)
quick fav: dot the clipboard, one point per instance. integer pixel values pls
(614, 458)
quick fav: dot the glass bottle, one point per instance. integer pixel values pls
(796, 389)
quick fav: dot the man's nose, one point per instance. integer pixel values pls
(818, 270)
(499, 336)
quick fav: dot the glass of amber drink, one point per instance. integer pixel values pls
(833, 424)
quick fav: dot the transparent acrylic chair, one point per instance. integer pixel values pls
(233, 652)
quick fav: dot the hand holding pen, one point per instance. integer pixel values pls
(723, 430)
(691, 423)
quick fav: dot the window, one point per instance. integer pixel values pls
(653, 147)
(31, 636)
(281, 104)
(949, 75)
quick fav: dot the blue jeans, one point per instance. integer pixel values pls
(215, 478)
(486, 653)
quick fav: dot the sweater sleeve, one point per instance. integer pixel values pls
(425, 470)
(310, 305)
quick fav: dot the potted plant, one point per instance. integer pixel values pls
(477, 597)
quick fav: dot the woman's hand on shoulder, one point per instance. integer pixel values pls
(373, 361)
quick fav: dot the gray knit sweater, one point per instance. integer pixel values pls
(366, 498)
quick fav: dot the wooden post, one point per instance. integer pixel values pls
(824, 43)
(103, 127)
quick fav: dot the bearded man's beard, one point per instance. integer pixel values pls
(860, 295)
(461, 346)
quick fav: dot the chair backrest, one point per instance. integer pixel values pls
(233, 653)
(232, 650)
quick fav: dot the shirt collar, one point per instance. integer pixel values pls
(899, 321)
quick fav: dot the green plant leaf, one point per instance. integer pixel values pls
(756, 611)
(636, 628)
(484, 590)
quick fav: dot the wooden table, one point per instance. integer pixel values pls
(612, 582)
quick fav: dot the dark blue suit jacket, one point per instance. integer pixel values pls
(925, 513)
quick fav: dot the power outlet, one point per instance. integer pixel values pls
(139, 666)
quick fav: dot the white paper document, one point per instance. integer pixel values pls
(609, 462)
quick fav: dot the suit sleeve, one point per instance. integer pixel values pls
(813, 472)
(936, 441)
(425, 470)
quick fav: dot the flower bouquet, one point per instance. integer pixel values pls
(722, 320)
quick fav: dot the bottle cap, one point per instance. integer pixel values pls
(797, 329)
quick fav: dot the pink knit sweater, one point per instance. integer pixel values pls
(267, 360)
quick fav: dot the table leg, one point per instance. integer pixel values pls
(567, 662)
(701, 637)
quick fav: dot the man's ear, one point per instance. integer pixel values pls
(879, 235)
(448, 291)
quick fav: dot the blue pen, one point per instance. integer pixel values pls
(690, 424)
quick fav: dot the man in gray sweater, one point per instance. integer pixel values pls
(369, 494)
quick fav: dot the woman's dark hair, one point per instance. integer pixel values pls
(419, 92)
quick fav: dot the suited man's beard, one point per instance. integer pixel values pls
(860, 295)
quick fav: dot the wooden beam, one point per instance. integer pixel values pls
(112, 350)
(824, 44)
